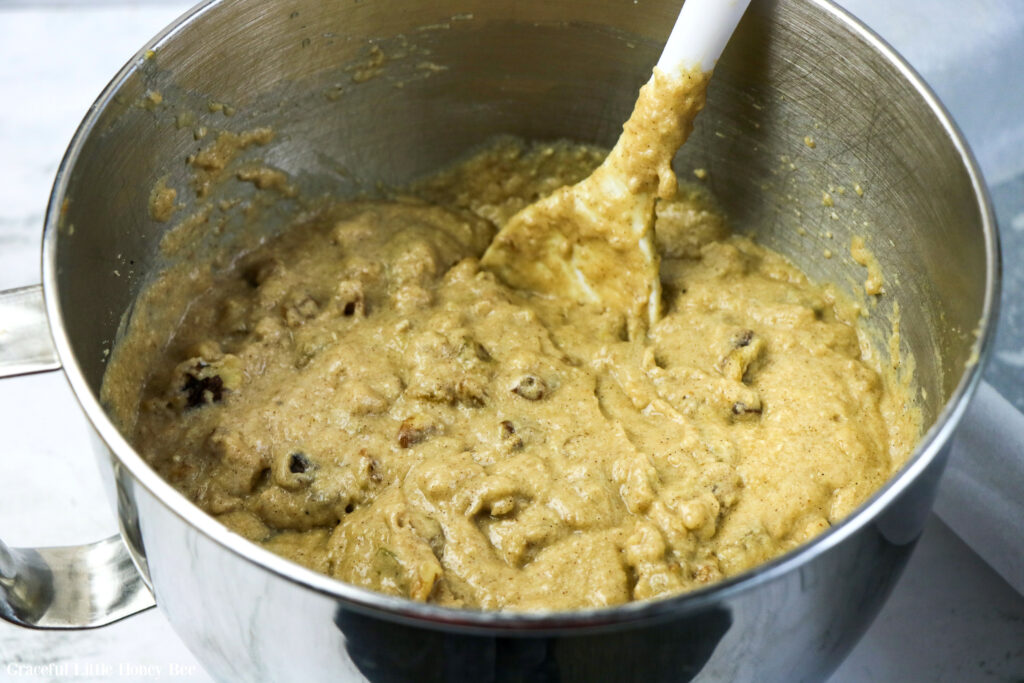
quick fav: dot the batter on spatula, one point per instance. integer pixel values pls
(594, 241)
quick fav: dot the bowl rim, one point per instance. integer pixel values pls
(533, 623)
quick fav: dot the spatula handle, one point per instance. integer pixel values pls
(700, 34)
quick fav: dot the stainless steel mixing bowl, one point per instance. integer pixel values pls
(457, 72)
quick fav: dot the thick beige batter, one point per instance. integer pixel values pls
(593, 241)
(360, 396)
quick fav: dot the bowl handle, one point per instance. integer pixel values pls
(80, 586)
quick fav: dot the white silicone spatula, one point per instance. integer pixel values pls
(700, 34)
(594, 241)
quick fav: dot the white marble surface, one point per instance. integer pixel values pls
(950, 619)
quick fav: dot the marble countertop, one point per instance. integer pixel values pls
(951, 618)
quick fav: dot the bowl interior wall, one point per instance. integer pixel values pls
(456, 73)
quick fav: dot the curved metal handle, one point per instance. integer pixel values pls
(69, 587)
(25, 344)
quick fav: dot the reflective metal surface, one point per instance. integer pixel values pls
(25, 344)
(539, 69)
(71, 587)
(68, 587)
